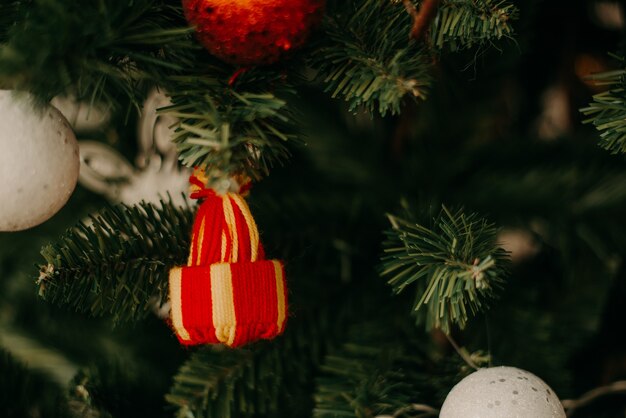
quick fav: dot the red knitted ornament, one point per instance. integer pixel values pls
(228, 293)
(253, 32)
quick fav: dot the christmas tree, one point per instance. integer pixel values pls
(308, 208)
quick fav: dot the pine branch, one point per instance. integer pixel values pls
(465, 23)
(455, 264)
(367, 59)
(258, 381)
(100, 51)
(119, 264)
(243, 128)
(365, 381)
(607, 112)
(112, 51)
(381, 370)
(208, 384)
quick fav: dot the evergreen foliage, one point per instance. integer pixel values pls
(464, 24)
(365, 381)
(454, 261)
(607, 111)
(119, 264)
(107, 51)
(114, 52)
(384, 366)
(381, 370)
(226, 130)
(368, 60)
(350, 348)
(262, 380)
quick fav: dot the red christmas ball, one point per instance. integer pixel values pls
(253, 32)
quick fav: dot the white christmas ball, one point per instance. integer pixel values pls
(502, 392)
(39, 162)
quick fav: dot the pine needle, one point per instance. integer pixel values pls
(453, 262)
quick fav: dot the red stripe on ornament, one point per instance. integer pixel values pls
(254, 290)
(197, 308)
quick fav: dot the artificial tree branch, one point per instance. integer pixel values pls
(571, 405)
(461, 352)
(427, 411)
(422, 18)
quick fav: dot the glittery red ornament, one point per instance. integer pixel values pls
(253, 32)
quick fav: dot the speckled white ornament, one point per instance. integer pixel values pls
(39, 162)
(502, 392)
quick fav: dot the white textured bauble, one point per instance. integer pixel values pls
(502, 392)
(39, 162)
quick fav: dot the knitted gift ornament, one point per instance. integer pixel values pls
(228, 293)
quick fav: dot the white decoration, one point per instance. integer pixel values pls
(155, 131)
(500, 392)
(82, 115)
(39, 162)
(154, 183)
(105, 171)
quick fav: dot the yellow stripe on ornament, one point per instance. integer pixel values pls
(222, 296)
